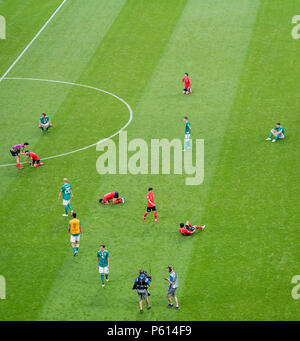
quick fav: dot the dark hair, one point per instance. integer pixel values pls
(142, 272)
(186, 74)
(43, 114)
(102, 246)
(74, 215)
(170, 268)
(150, 189)
(278, 123)
(26, 151)
(26, 144)
(100, 200)
(185, 117)
(181, 224)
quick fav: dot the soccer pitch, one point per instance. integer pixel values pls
(98, 67)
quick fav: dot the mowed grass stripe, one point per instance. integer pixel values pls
(251, 203)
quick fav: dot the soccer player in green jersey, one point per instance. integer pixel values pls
(277, 132)
(67, 194)
(45, 122)
(103, 263)
(187, 134)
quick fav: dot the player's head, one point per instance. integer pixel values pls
(65, 180)
(101, 201)
(74, 215)
(43, 114)
(142, 272)
(170, 268)
(26, 144)
(278, 124)
(102, 247)
(27, 152)
(185, 118)
(186, 74)
(181, 225)
(150, 189)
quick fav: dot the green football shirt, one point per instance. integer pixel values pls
(102, 256)
(66, 191)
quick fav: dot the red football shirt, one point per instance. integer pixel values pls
(150, 199)
(187, 82)
(109, 196)
(33, 156)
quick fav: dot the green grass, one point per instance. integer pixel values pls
(244, 70)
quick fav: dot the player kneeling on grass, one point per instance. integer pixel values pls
(277, 132)
(75, 231)
(45, 122)
(188, 228)
(187, 84)
(16, 151)
(141, 285)
(114, 196)
(103, 263)
(34, 159)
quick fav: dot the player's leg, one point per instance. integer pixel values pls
(101, 271)
(77, 243)
(155, 217)
(65, 204)
(106, 271)
(148, 303)
(146, 213)
(141, 303)
(117, 201)
(176, 301)
(278, 135)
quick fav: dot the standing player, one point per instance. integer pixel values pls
(277, 132)
(114, 196)
(45, 122)
(76, 232)
(189, 229)
(16, 150)
(151, 204)
(187, 134)
(103, 263)
(35, 160)
(67, 194)
(187, 84)
(173, 285)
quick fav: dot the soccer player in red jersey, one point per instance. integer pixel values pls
(189, 229)
(114, 196)
(187, 84)
(150, 204)
(35, 160)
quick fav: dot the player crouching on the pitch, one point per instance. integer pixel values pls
(45, 122)
(277, 132)
(188, 228)
(34, 159)
(114, 196)
(187, 84)
(141, 285)
(16, 150)
(76, 232)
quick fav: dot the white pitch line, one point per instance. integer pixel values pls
(83, 86)
(27, 47)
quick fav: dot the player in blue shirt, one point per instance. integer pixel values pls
(187, 134)
(277, 132)
(172, 287)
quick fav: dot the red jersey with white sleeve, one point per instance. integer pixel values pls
(150, 199)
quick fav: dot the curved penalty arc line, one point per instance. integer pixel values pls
(83, 86)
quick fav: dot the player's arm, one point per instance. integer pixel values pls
(60, 194)
(98, 261)
(69, 228)
(72, 196)
(108, 262)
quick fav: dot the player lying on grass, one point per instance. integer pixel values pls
(114, 196)
(75, 231)
(187, 84)
(277, 132)
(34, 159)
(45, 122)
(189, 229)
(16, 151)
(150, 205)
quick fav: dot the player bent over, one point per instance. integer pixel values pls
(16, 151)
(187, 84)
(34, 159)
(75, 230)
(277, 132)
(67, 194)
(45, 122)
(114, 196)
(103, 263)
(188, 228)
(151, 205)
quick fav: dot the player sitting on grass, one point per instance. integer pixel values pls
(277, 132)
(188, 228)
(75, 231)
(114, 196)
(34, 159)
(16, 150)
(187, 84)
(45, 122)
